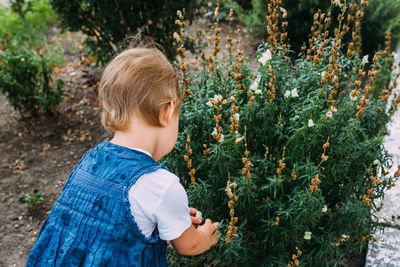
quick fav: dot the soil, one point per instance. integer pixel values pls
(39, 154)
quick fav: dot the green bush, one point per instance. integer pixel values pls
(30, 30)
(26, 60)
(26, 80)
(289, 158)
(379, 17)
(108, 23)
(21, 7)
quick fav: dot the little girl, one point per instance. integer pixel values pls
(119, 206)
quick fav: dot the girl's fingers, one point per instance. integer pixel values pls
(192, 211)
(196, 220)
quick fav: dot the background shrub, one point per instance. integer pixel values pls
(289, 158)
(26, 59)
(108, 23)
(21, 7)
(29, 30)
(379, 17)
(26, 80)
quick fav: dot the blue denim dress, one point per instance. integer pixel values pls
(91, 223)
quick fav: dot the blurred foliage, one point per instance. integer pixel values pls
(30, 31)
(26, 80)
(21, 7)
(26, 58)
(32, 201)
(108, 23)
(380, 15)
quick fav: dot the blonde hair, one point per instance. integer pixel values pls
(138, 79)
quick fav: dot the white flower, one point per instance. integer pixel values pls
(365, 59)
(323, 74)
(254, 86)
(209, 103)
(353, 97)
(218, 98)
(283, 10)
(376, 162)
(265, 57)
(344, 237)
(222, 138)
(215, 132)
(310, 123)
(258, 91)
(324, 209)
(337, 2)
(237, 116)
(287, 93)
(199, 215)
(307, 235)
(329, 114)
(229, 191)
(176, 36)
(239, 139)
(295, 93)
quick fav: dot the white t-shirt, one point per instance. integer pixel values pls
(158, 199)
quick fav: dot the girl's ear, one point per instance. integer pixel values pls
(167, 113)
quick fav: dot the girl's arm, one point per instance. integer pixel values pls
(195, 241)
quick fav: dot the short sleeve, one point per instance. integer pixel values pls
(172, 212)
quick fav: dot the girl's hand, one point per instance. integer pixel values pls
(194, 215)
(195, 241)
(210, 231)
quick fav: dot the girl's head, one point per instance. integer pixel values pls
(138, 80)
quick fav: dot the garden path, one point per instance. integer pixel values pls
(385, 252)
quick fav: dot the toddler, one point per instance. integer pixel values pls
(119, 206)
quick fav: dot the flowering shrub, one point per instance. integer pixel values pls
(289, 158)
(378, 17)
